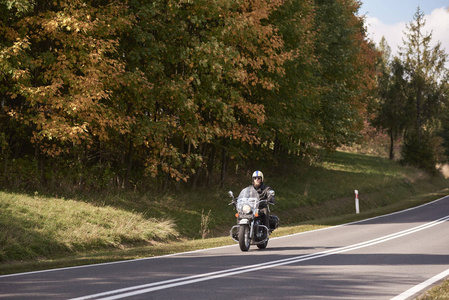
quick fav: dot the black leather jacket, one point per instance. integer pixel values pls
(263, 191)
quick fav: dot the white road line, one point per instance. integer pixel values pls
(151, 287)
(424, 285)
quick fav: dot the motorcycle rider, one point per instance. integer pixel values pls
(265, 193)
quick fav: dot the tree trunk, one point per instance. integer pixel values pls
(210, 165)
(418, 113)
(129, 164)
(40, 164)
(391, 144)
(224, 163)
(5, 163)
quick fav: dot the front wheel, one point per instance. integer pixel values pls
(244, 241)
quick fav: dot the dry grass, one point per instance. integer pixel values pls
(33, 226)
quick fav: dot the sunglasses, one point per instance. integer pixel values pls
(257, 178)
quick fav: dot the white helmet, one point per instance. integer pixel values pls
(258, 174)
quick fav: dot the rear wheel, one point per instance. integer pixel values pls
(244, 241)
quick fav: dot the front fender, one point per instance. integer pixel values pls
(244, 222)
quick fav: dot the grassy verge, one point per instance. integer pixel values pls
(439, 292)
(39, 231)
(35, 226)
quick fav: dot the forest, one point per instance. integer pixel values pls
(137, 94)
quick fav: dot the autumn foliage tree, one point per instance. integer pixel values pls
(63, 70)
(114, 93)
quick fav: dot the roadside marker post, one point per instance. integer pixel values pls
(357, 209)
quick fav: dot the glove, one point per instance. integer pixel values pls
(271, 198)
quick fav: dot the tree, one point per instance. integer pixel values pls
(116, 90)
(391, 112)
(323, 95)
(63, 71)
(206, 60)
(346, 69)
(426, 76)
(292, 107)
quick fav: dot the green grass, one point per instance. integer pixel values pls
(39, 231)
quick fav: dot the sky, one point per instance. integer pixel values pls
(389, 17)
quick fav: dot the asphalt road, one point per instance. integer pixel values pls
(396, 255)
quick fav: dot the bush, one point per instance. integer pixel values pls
(425, 152)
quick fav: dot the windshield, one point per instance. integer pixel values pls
(248, 196)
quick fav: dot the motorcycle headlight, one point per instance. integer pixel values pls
(246, 209)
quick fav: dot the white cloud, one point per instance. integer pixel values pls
(392, 33)
(437, 23)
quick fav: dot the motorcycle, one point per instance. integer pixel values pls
(250, 229)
